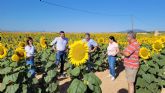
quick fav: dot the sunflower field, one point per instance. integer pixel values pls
(14, 71)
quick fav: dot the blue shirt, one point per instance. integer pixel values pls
(91, 43)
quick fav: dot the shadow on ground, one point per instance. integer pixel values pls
(63, 88)
(122, 91)
(120, 68)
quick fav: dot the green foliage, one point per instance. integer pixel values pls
(16, 79)
(151, 74)
(77, 86)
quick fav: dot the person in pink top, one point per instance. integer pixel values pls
(112, 51)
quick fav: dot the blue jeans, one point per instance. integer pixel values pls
(30, 61)
(112, 62)
(60, 57)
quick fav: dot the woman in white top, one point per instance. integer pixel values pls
(29, 48)
(112, 51)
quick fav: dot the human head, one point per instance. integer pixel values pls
(131, 36)
(62, 34)
(112, 39)
(87, 36)
(29, 41)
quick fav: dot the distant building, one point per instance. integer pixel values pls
(156, 33)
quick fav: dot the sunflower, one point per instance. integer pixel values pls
(162, 39)
(144, 53)
(43, 42)
(78, 53)
(21, 53)
(15, 58)
(3, 51)
(100, 40)
(21, 44)
(157, 46)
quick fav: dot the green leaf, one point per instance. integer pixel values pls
(92, 79)
(50, 75)
(10, 78)
(13, 64)
(52, 57)
(5, 70)
(12, 88)
(48, 65)
(152, 70)
(75, 72)
(91, 87)
(144, 67)
(97, 89)
(149, 78)
(52, 88)
(98, 63)
(24, 88)
(77, 86)
(141, 82)
(153, 87)
(35, 81)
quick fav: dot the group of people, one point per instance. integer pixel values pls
(130, 55)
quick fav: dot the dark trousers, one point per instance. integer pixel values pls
(60, 57)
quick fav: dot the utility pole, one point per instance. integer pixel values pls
(132, 22)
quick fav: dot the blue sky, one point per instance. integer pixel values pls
(33, 15)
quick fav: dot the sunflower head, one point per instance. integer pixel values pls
(158, 46)
(101, 40)
(15, 58)
(21, 44)
(3, 51)
(78, 53)
(162, 39)
(144, 53)
(21, 53)
(43, 42)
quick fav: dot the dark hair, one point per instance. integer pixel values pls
(132, 34)
(112, 38)
(87, 34)
(28, 39)
(62, 32)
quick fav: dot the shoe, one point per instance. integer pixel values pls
(62, 76)
(112, 78)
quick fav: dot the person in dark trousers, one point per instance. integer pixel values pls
(92, 45)
(60, 46)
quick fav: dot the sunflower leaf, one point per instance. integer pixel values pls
(77, 86)
(75, 72)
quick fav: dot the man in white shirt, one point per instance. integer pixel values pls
(60, 48)
(92, 47)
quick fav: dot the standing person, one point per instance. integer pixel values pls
(60, 48)
(131, 60)
(92, 45)
(112, 51)
(29, 48)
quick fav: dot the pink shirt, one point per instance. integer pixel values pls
(112, 49)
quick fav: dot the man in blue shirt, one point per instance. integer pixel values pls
(92, 47)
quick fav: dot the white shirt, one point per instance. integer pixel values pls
(60, 43)
(91, 43)
(29, 50)
(112, 49)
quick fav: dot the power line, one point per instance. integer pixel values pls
(89, 12)
(80, 10)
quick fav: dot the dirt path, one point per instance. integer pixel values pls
(119, 85)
